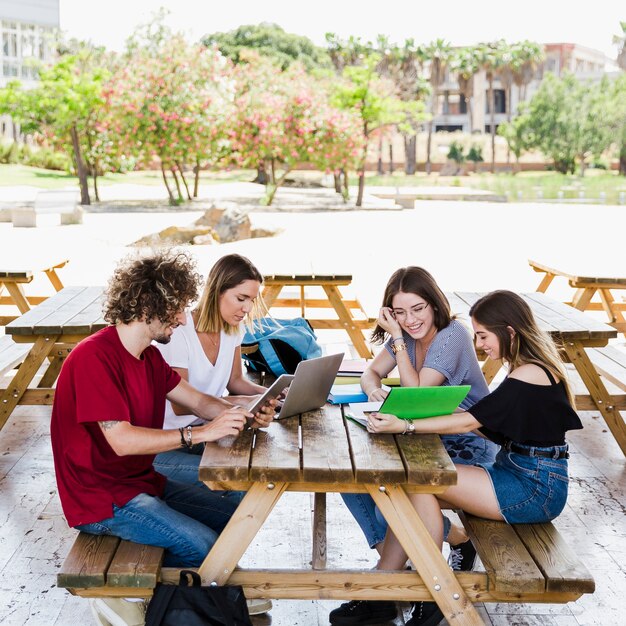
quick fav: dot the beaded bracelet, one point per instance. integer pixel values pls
(189, 442)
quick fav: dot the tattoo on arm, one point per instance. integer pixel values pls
(108, 425)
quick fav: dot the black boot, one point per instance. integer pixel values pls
(357, 612)
(425, 614)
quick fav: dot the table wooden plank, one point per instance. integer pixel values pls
(376, 458)
(325, 451)
(276, 453)
(426, 460)
(595, 328)
(25, 325)
(90, 319)
(135, 565)
(579, 280)
(60, 321)
(88, 561)
(227, 459)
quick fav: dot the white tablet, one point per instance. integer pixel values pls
(277, 387)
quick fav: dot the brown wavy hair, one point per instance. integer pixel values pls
(228, 272)
(499, 310)
(415, 280)
(153, 287)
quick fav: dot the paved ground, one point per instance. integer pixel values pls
(466, 245)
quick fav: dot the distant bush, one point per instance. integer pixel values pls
(45, 158)
(455, 153)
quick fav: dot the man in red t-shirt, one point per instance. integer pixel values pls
(108, 414)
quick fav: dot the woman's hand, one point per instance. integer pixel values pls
(377, 395)
(384, 423)
(265, 416)
(387, 322)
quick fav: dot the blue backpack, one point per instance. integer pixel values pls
(282, 344)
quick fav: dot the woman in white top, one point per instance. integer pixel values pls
(206, 351)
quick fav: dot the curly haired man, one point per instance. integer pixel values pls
(107, 419)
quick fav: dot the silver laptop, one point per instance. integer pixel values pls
(311, 385)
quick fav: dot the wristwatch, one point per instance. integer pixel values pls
(409, 428)
(398, 347)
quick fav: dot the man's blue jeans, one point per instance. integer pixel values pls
(182, 465)
(186, 522)
(467, 449)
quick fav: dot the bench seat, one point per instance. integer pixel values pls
(610, 363)
(61, 201)
(11, 354)
(527, 562)
(104, 566)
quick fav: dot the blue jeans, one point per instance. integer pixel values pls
(529, 489)
(469, 449)
(186, 522)
(182, 465)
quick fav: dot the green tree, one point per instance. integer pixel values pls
(569, 121)
(620, 42)
(64, 108)
(269, 40)
(373, 99)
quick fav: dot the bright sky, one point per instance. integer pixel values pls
(461, 22)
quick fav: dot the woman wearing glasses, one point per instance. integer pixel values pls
(430, 348)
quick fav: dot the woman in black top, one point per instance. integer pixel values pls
(528, 415)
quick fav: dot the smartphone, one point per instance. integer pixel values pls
(277, 387)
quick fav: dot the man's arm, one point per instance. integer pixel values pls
(198, 403)
(126, 439)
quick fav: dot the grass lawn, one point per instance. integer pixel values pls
(596, 186)
(523, 186)
(51, 179)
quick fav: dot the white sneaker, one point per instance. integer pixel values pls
(256, 606)
(118, 611)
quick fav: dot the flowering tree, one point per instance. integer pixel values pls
(171, 108)
(282, 119)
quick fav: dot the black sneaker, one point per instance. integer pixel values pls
(462, 557)
(358, 612)
(425, 614)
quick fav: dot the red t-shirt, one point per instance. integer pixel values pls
(101, 381)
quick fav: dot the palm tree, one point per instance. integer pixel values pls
(403, 66)
(620, 41)
(466, 66)
(490, 60)
(529, 56)
(439, 52)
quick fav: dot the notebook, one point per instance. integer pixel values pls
(344, 394)
(413, 402)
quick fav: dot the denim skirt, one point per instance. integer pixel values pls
(529, 489)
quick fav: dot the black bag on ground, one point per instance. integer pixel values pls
(194, 605)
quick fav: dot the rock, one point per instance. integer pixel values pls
(204, 240)
(176, 235)
(230, 223)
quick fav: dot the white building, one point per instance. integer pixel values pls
(26, 27)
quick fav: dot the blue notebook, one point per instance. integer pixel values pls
(344, 394)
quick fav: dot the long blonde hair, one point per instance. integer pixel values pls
(229, 271)
(499, 310)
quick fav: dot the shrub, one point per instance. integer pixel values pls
(455, 153)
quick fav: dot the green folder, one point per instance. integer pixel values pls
(411, 403)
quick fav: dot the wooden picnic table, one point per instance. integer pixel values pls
(13, 279)
(330, 284)
(320, 451)
(587, 287)
(573, 331)
(53, 328)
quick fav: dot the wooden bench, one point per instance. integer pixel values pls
(587, 287)
(104, 566)
(527, 562)
(610, 363)
(63, 202)
(11, 354)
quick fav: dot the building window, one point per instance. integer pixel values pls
(9, 44)
(499, 96)
(448, 128)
